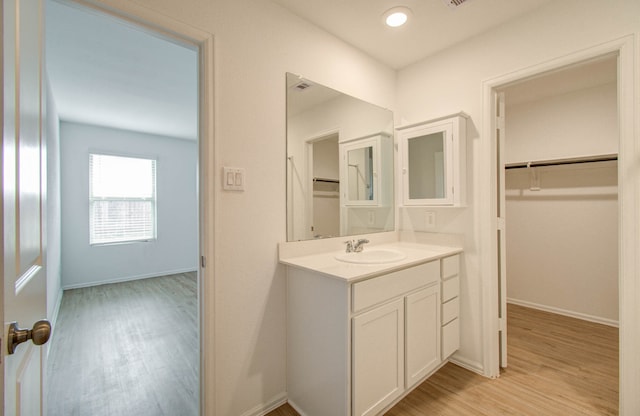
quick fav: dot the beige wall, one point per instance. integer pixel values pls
(451, 81)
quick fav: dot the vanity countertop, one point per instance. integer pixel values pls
(327, 264)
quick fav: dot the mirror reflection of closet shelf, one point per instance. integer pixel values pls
(366, 169)
(433, 161)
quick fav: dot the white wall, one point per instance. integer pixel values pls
(451, 81)
(53, 223)
(176, 247)
(256, 43)
(578, 123)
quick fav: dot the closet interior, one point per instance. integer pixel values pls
(326, 187)
(561, 191)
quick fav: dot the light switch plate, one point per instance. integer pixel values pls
(233, 179)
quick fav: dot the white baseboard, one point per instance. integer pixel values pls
(53, 319)
(263, 409)
(56, 310)
(126, 279)
(565, 312)
(297, 408)
(470, 365)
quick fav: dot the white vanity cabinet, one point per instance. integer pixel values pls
(396, 343)
(433, 155)
(422, 324)
(377, 358)
(450, 305)
(353, 349)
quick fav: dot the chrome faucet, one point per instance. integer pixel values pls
(349, 244)
(359, 245)
(354, 246)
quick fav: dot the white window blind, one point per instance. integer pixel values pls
(122, 199)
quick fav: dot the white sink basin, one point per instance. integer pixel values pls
(373, 256)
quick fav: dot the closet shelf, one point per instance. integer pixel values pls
(326, 180)
(557, 162)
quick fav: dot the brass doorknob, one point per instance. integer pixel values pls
(39, 334)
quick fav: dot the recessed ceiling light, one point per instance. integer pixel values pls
(397, 16)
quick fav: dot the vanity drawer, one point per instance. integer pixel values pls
(450, 267)
(450, 338)
(450, 289)
(379, 289)
(450, 310)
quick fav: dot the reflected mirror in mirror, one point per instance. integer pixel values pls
(426, 166)
(339, 163)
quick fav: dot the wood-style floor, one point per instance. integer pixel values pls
(556, 366)
(126, 349)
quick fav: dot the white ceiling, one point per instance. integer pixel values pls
(108, 73)
(105, 72)
(433, 26)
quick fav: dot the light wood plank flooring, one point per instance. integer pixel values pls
(126, 349)
(557, 366)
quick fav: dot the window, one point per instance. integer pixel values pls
(122, 199)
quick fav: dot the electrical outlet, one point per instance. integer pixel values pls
(372, 217)
(430, 219)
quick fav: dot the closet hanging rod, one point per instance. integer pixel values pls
(326, 180)
(557, 162)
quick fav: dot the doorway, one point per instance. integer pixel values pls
(627, 190)
(151, 276)
(560, 147)
(325, 197)
(561, 192)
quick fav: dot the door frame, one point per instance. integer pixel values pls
(2, 200)
(628, 212)
(308, 149)
(203, 41)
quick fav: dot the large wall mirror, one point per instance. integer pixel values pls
(339, 163)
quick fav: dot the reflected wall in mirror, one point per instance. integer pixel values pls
(339, 163)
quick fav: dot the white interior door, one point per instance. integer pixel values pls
(23, 202)
(501, 232)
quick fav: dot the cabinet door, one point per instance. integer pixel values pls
(433, 156)
(359, 172)
(422, 333)
(427, 165)
(377, 358)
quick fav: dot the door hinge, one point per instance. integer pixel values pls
(203, 262)
(502, 323)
